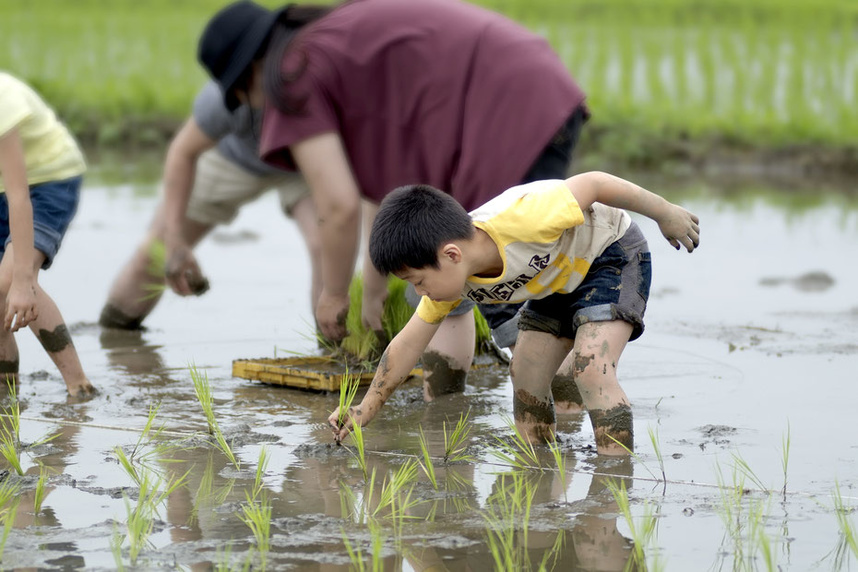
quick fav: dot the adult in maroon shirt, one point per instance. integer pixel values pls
(375, 94)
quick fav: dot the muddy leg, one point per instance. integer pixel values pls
(536, 359)
(564, 388)
(8, 360)
(598, 346)
(448, 358)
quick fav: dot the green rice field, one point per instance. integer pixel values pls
(759, 73)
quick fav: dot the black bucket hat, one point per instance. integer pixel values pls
(231, 39)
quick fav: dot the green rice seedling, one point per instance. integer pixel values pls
(261, 467)
(224, 560)
(847, 532)
(746, 470)
(427, 465)
(642, 532)
(356, 556)
(348, 390)
(203, 391)
(39, 494)
(116, 540)
(256, 515)
(357, 509)
(785, 446)
(393, 488)
(455, 442)
(355, 553)
(560, 461)
(653, 437)
(9, 498)
(519, 453)
(636, 458)
(156, 270)
(360, 446)
(10, 430)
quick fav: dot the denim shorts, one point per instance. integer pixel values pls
(54, 206)
(616, 288)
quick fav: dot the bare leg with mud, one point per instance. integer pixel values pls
(598, 346)
(138, 287)
(448, 357)
(50, 329)
(537, 357)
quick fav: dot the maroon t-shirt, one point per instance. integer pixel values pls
(425, 91)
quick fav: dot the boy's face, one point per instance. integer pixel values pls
(444, 283)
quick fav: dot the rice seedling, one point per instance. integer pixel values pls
(847, 533)
(394, 487)
(639, 459)
(10, 430)
(39, 494)
(427, 465)
(348, 390)
(642, 532)
(9, 498)
(360, 446)
(560, 462)
(356, 555)
(518, 452)
(785, 446)
(653, 437)
(156, 270)
(746, 470)
(455, 442)
(116, 540)
(203, 391)
(261, 467)
(256, 515)
(153, 490)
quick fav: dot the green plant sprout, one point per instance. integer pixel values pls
(10, 430)
(261, 467)
(746, 470)
(39, 494)
(519, 453)
(656, 446)
(637, 458)
(560, 461)
(454, 442)
(256, 515)
(348, 390)
(9, 499)
(847, 532)
(643, 533)
(427, 465)
(203, 391)
(360, 446)
(785, 447)
(156, 270)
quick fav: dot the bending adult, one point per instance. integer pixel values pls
(212, 169)
(375, 94)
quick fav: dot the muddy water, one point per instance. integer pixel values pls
(752, 338)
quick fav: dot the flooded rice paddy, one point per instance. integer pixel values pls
(742, 388)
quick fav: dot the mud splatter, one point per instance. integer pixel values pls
(565, 390)
(440, 377)
(55, 341)
(530, 409)
(582, 361)
(616, 422)
(9, 366)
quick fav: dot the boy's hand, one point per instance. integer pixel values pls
(354, 415)
(20, 306)
(680, 227)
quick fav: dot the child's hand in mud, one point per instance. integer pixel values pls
(341, 428)
(81, 391)
(680, 227)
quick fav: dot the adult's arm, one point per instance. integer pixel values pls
(21, 306)
(678, 226)
(323, 162)
(179, 172)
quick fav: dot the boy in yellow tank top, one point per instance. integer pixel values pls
(567, 249)
(41, 170)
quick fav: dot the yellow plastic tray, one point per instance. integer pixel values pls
(304, 372)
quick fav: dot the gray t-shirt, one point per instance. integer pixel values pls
(236, 133)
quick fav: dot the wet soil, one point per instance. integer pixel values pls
(731, 371)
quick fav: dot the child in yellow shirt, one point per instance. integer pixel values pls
(41, 170)
(567, 249)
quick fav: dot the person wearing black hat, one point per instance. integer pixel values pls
(212, 168)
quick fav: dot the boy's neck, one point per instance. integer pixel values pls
(484, 255)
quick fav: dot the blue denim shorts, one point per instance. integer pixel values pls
(616, 288)
(54, 206)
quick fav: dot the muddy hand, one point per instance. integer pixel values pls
(183, 273)
(680, 228)
(340, 428)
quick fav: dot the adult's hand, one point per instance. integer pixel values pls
(182, 272)
(331, 315)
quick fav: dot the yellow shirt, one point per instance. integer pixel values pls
(50, 151)
(546, 241)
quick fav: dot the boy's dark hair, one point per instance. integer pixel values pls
(412, 223)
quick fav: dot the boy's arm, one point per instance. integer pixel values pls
(21, 300)
(182, 271)
(678, 226)
(395, 366)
